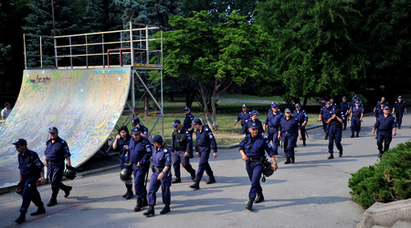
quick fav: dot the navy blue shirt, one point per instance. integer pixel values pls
(143, 129)
(121, 143)
(30, 165)
(182, 141)
(255, 147)
(400, 106)
(385, 123)
(379, 112)
(335, 122)
(356, 112)
(57, 151)
(161, 157)
(247, 124)
(274, 120)
(187, 121)
(344, 106)
(205, 138)
(244, 116)
(324, 111)
(301, 116)
(140, 151)
(290, 125)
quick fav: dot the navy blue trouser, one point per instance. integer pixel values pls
(398, 116)
(384, 137)
(179, 158)
(289, 144)
(273, 136)
(334, 136)
(325, 126)
(254, 171)
(30, 194)
(155, 184)
(139, 177)
(55, 174)
(203, 164)
(355, 125)
(303, 135)
(345, 121)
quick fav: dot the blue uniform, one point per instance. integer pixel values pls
(255, 149)
(55, 154)
(379, 102)
(124, 154)
(385, 126)
(344, 107)
(335, 131)
(247, 124)
(161, 158)
(243, 116)
(289, 132)
(399, 111)
(301, 117)
(140, 152)
(361, 104)
(324, 111)
(187, 122)
(30, 168)
(204, 142)
(355, 119)
(181, 143)
(273, 122)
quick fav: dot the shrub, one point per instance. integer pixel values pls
(386, 181)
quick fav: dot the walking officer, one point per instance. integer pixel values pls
(335, 119)
(400, 109)
(182, 149)
(379, 112)
(253, 119)
(345, 108)
(243, 116)
(302, 119)
(321, 117)
(272, 122)
(356, 119)
(137, 123)
(289, 127)
(140, 154)
(382, 101)
(188, 120)
(56, 151)
(386, 125)
(31, 169)
(161, 176)
(204, 142)
(354, 99)
(120, 145)
(252, 149)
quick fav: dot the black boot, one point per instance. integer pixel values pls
(260, 198)
(196, 185)
(129, 194)
(380, 154)
(52, 202)
(250, 204)
(357, 134)
(304, 144)
(193, 175)
(165, 210)
(21, 218)
(177, 180)
(331, 156)
(211, 180)
(288, 161)
(352, 134)
(150, 211)
(67, 191)
(292, 159)
(341, 153)
(326, 136)
(40, 210)
(139, 205)
(145, 202)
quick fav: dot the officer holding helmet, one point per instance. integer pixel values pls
(272, 123)
(161, 176)
(252, 149)
(140, 154)
(120, 144)
(182, 149)
(289, 127)
(243, 116)
(56, 151)
(386, 126)
(31, 169)
(137, 123)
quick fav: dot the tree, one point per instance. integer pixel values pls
(216, 55)
(159, 11)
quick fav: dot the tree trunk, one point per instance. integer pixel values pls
(146, 104)
(305, 101)
(205, 106)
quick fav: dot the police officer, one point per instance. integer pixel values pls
(302, 119)
(288, 129)
(354, 99)
(400, 109)
(272, 123)
(204, 142)
(386, 125)
(379, 112)
(335, 119)
(56, 151)
(382, 101)
(243, 116)
(137, 123)
(188, 120)
(321, 117)
(345, 109)
(333, 104)
(253, 119)
(140, 154)
(182, 149)
(356, 119)
(120, 145)
(252, 149)
(161, 176)
(31, 169)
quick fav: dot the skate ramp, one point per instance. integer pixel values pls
(84, 104)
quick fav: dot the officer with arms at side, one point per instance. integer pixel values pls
(182, 149)
(356, 118)
(188, 120)
(243, 116)
(204, 142)
(140, 154)
(57, 150)
(386, 125)
(302, 119)
(137, 123)
(289, 127)
(31, 169)
(321, 117)
(253, 119)
(400, 109)
(345, 108)
(252, 149)
(272, 123)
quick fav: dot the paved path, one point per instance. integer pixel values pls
(311, 193)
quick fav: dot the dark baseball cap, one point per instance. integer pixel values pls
(135, 121)
(158, 139)
(386, 108)
(53, 130)
(297, 105)
(253, 126)
(176, 121)
(187, 108)
(196, 121)
(245, 106)
(273, 105)
(328, 102)
(255, 112)
(399, 97)
(287, 110)
(135, 130)
(20, 142)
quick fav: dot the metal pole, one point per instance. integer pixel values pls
(102, 49)
(52, 12)
(71, 54)
(162, 95)
(25, 54)
(41, 54)
(55, 52)
(147, 49)
(133, 95)
(86, 52)
(131, 44)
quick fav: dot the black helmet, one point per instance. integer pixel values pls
(70, 172)
(125, 173)
(267, 169)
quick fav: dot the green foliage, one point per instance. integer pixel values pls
(386, 181)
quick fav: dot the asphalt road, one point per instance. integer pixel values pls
(312, 192)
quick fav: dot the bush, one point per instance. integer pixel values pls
(386, 181)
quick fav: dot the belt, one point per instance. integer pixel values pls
(256, 159)
(274, 127)
(336, 126)
(157, 169)
(383, 130)
(290, 132)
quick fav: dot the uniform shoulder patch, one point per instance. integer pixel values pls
(165, 150)
(206, 128)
